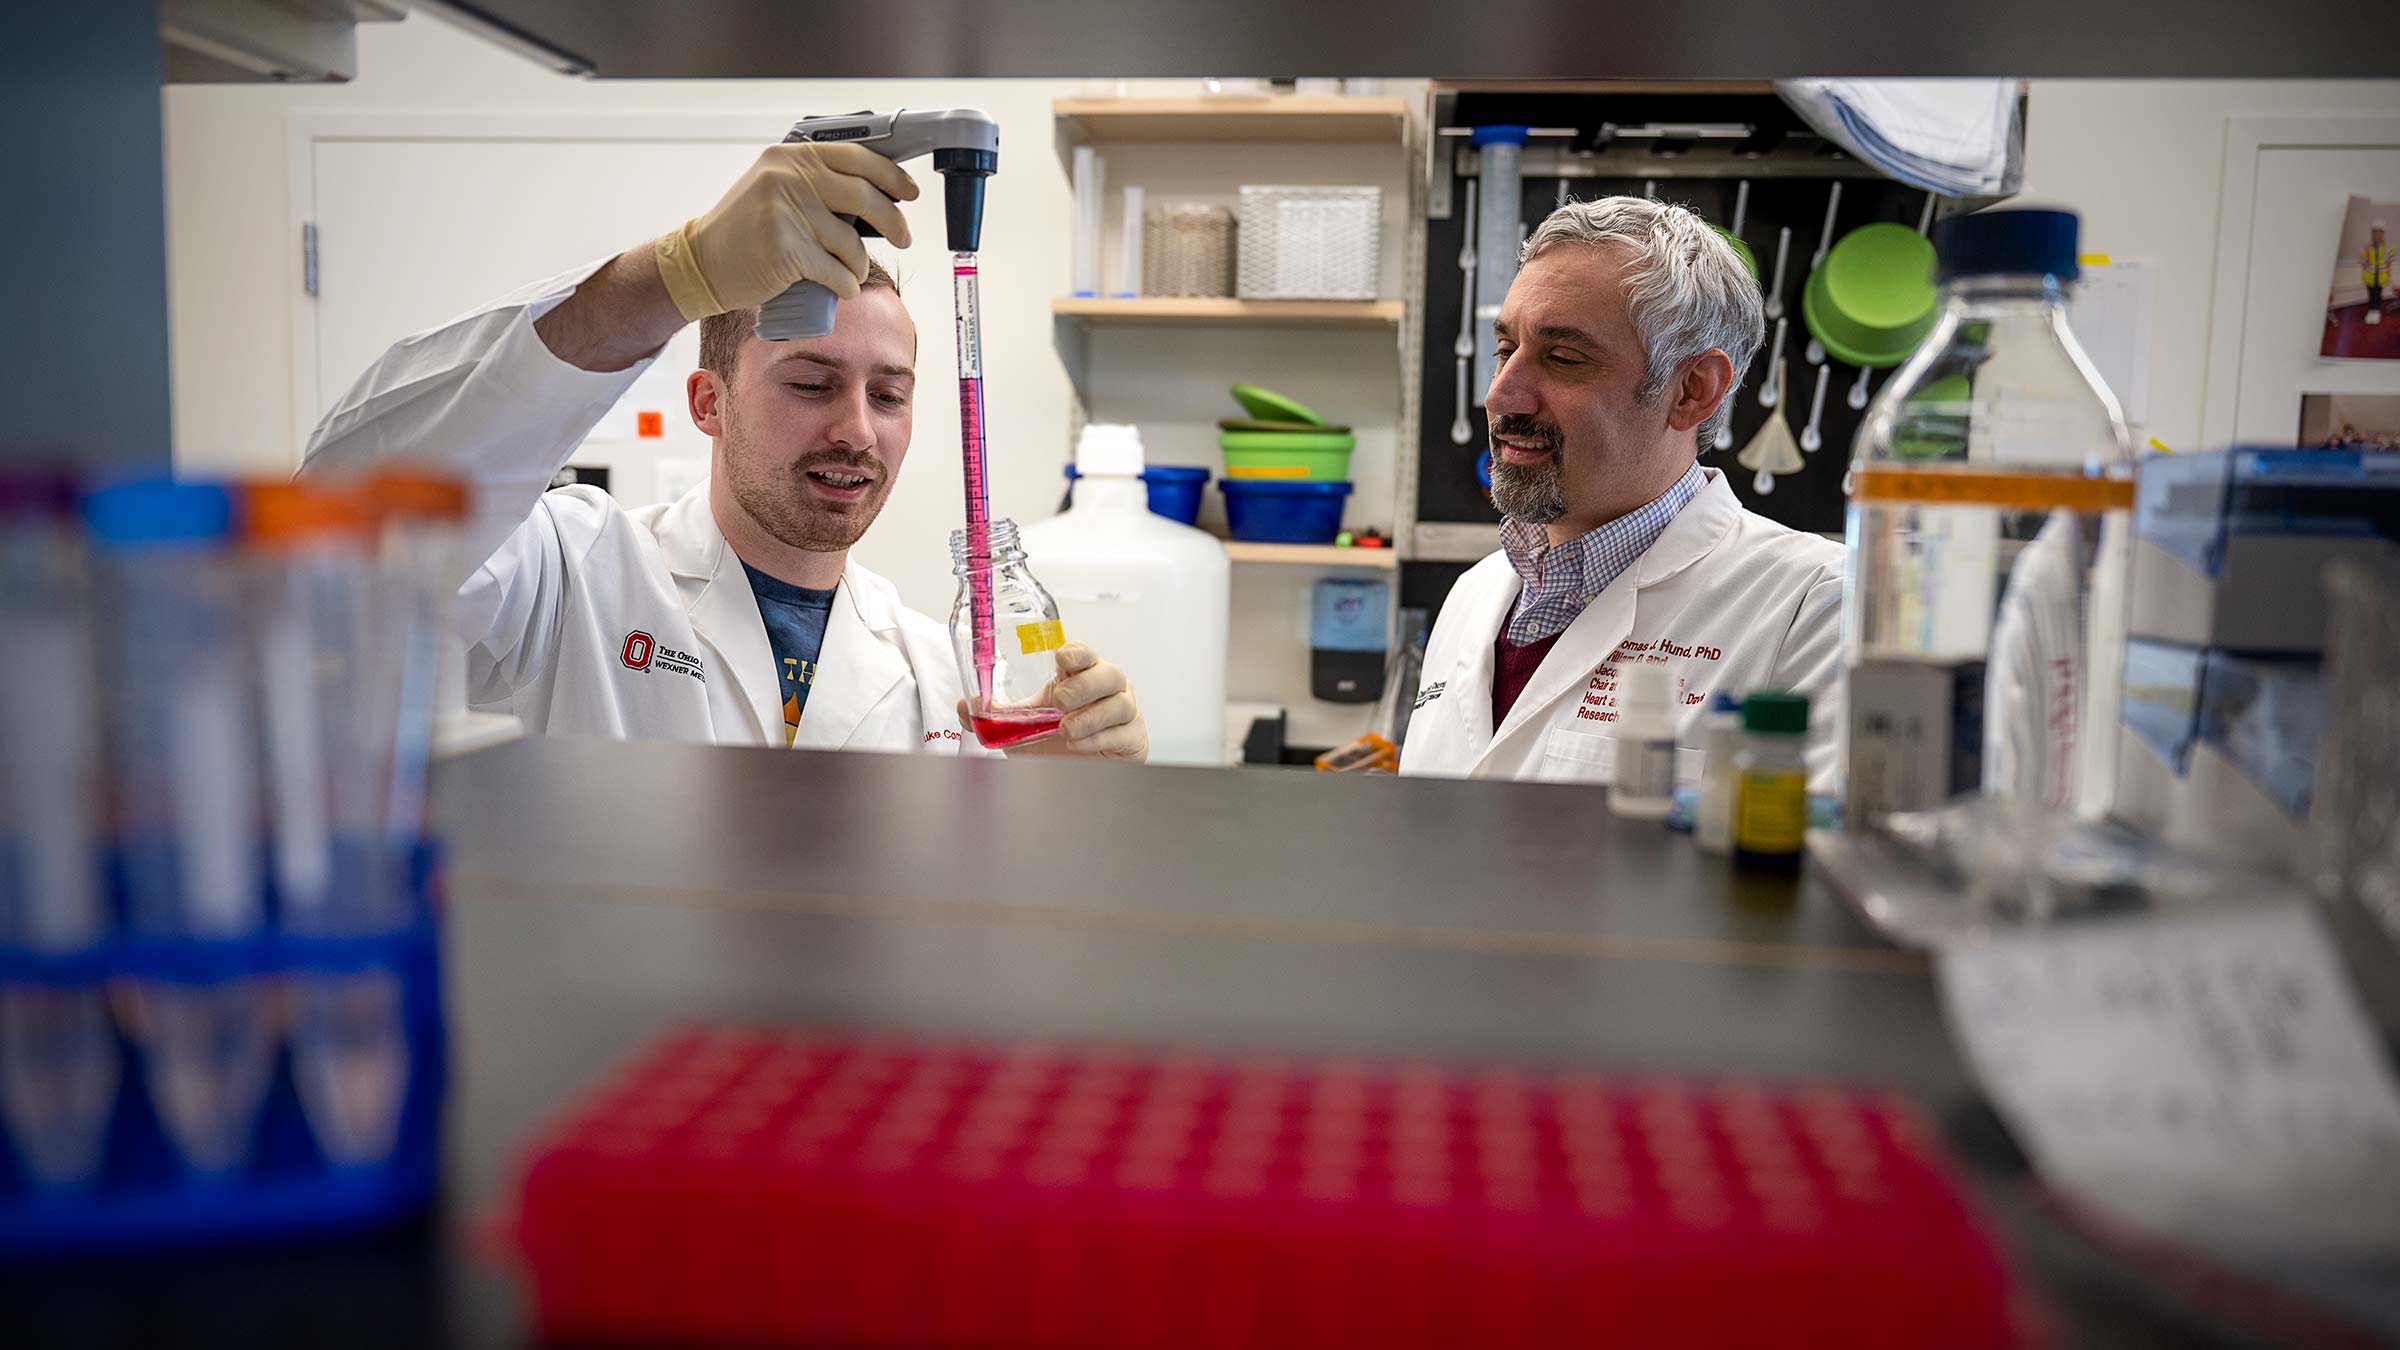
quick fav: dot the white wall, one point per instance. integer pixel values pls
(2143, 160)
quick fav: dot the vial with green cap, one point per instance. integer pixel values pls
(1770, 803)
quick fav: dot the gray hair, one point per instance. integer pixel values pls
(1686, 287)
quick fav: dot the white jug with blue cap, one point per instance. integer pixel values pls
(1149, 592)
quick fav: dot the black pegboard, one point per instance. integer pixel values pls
(1809, 500)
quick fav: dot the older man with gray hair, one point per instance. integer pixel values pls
(1621, 345)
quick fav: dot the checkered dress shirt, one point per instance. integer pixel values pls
(1560, 580)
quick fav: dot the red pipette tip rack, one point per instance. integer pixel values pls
(766, 1188)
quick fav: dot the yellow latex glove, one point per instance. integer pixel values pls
(1102, 722)
(780, 223)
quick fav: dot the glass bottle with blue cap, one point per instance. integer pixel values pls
(1991, 493)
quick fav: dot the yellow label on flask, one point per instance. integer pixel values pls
(1770, 812)
(1268, 471)
(1046, 636)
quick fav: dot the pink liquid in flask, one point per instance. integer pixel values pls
(1003, 727)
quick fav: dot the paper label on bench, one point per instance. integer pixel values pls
(2213, 1079)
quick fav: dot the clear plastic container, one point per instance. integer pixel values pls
(1026, 631)
(1991, 487)
(184, 786)
(58, 1052)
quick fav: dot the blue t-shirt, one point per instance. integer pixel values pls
(795, 617)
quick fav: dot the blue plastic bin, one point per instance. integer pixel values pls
(145, 1197)
(1173, 489)
(1283, 510)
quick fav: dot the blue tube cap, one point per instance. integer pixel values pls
(1500, 133)
(1997, 243)
(158, 511)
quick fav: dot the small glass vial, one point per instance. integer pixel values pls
(1770, 801)
(1007, 670)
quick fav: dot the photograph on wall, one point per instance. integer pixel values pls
(2349, 422)
(2362, 315)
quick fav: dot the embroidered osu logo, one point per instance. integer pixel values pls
(636, 655)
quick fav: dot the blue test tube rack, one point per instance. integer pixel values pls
(144, 1197)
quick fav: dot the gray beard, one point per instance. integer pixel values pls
(1532, 493)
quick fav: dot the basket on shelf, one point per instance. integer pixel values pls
(1187, 250)
(1309, 243)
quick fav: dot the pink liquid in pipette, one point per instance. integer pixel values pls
(970, 420)
(1004, 727)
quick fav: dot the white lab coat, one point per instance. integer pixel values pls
(1727, 599)
(586, 619)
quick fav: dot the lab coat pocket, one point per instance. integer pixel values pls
(1571, 756)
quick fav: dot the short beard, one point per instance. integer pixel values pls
(1532, 493)
(770, 493)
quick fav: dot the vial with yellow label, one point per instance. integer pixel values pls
(1025, 634)
(1770, 802)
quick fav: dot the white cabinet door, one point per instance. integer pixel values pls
(2288, 182)
(412, 231)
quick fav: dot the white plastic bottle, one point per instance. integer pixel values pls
(1144, 592)
(1720, 737)
(1643, 784)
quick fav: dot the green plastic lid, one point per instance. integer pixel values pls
(1872, 300)
(1269, 406)
(1261, 424)
(1777, 712)
(1286, 440)
(1881, 274)
(1740, 249)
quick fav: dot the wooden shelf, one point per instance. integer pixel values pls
(1312, 555)
(1190, 309)
(1285, 117)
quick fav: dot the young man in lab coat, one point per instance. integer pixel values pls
(1621, 345)
(734, 614)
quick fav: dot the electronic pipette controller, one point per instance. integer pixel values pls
(965, 145)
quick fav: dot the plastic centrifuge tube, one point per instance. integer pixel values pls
(423, 513)
(978, 561)
(330, 691)
(58, 1049)
(182, 750)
